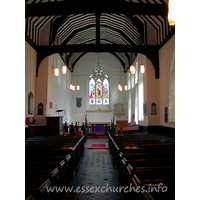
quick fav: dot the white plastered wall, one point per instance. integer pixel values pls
(30, 74)
(50, 88)
(150, 91)
(166, 54)
(81, 76)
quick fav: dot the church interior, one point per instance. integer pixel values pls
(99, 99)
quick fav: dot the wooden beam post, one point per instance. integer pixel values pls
(98, 29)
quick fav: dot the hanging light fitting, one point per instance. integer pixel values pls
(132, 69)
(71, 86)
(53, 70)
(56, 71)
(78, 87)
(171, 12)
(64, 69)
(120, 87)
(125, 87)
(142, 69)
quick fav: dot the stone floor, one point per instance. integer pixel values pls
(96, 175)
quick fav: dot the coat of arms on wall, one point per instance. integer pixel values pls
(78, 102)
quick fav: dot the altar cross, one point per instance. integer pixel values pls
(86, 117)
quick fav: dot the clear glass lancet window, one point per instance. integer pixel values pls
(99, 87)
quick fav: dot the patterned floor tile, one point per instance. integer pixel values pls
(96, 172)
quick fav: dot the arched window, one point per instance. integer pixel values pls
(99, 87)
(172, 90)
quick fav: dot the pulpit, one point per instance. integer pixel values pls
(54, 125)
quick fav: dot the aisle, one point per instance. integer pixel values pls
(96, 174)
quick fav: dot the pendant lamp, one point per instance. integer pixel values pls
(71, 86)
(64, 69)
(132, 69)
(56, 71)
(125, 87)
(78, 87)
(142, 69)
(171, 12)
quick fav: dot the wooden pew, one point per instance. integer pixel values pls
(144, 160)
(44, 162)
(57, 141)
(157, 188)
(37, 192)
(143, 134)
(76, 151)
(150, 177)
(47, 151)
(43, 158)
(36, 173)
(152, 162)
(146, 155)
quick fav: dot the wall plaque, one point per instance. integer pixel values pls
(153, 109)
(50, 105)
(40, 109)
(119, 110)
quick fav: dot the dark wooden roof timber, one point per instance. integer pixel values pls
(120, 27)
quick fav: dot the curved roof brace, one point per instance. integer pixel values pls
(74, 63)
(154, 58)
(120, 60)
(151, 52)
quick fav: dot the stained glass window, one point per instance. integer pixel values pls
(92, 91)
(105, 92)
(98, 87)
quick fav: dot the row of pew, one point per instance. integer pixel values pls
(51, 161)
(145, 161)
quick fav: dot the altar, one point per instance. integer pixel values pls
(99, 126)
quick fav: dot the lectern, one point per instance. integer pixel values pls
(54, 125)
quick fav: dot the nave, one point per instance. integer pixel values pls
(95, 174)
(133, 160)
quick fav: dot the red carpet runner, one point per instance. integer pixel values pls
(98, 145)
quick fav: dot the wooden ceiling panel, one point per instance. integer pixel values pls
(78, 22)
